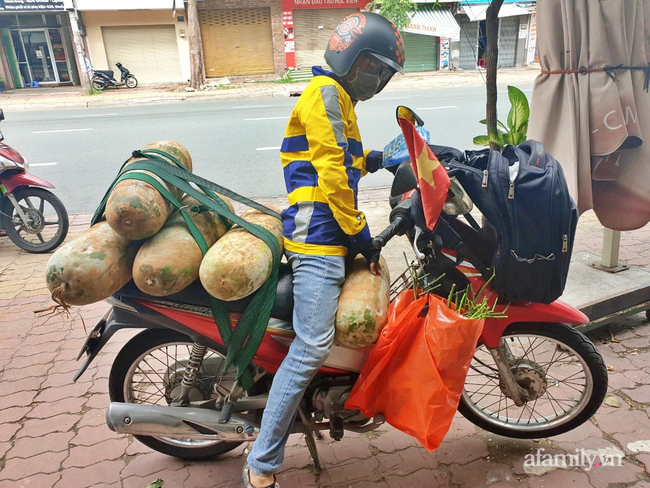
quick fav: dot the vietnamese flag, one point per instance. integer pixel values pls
(432, 176)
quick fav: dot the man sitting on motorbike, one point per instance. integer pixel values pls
(323, 160)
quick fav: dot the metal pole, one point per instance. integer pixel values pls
(611, 247)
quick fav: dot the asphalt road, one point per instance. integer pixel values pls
(233, 142)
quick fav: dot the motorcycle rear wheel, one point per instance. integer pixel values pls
(98, 84)
(558, 362)
(33, 202)
(131, 81)
(155, 349)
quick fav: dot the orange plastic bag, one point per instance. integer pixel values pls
(416, 372)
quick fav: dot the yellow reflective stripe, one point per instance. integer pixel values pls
(307, 194)
(315, 249)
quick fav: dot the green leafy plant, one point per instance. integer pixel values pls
(156, 484)
(516, 130)
(397, 11)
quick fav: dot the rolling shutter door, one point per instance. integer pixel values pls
(237, 41)
(508, 31)
(421, 52)
(149, 52)
(468, 44)
(311, 40)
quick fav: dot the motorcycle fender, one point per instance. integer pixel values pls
(100, 335)
(15, 180)
(553, 313)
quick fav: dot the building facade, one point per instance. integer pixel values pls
(36, 44)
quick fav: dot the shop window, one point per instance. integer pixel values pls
(30, 20)
(59, 55)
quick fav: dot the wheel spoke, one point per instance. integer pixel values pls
(41, 207)
(52, 223)
(40, 238)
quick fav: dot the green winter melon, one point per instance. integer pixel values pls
(239, 263)
(91, 267)
(135, 209)
(363, 304)
(170, 260)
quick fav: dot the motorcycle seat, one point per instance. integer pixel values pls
(196, 295)
(108, 73)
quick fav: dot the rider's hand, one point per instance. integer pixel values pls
(374, 160)
(372, 256)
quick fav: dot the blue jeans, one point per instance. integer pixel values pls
(317, 284)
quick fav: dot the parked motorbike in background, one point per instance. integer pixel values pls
(103, 79)
(31, 216)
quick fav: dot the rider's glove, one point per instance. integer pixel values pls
(373, 161)
(371, 254)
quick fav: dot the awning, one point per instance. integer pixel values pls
(438, 22)
(477, 12)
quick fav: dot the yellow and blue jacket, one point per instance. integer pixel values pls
(323, 160)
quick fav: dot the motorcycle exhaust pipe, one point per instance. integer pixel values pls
(176, 422)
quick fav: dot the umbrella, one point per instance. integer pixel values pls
(591, 107)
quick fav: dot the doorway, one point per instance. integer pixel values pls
(41, 56)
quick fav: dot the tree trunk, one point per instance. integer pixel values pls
(492, 35)
(197, 66)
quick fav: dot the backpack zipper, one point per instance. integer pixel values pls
(565, 243)
(485, 178)
(511, 191)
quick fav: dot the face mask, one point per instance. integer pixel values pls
(364, 86)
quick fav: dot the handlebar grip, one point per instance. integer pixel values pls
(389, 232)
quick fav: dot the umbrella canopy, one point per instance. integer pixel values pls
(590, 105)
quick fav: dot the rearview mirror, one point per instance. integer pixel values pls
(405, 180)
(457, 203)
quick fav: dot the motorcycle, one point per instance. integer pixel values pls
(30, 215)
(533, 375)
(103, 79)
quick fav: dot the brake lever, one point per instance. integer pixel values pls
(418, 232)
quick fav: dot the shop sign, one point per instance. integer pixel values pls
(297, 4)
(23, 5)
(532, 40)
(444, 53)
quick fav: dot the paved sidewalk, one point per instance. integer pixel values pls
(52, 432)
(76, 97)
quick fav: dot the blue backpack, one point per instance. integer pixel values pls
(522, 192)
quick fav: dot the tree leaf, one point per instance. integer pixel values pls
(500, 124)
(518, 138)
(484, 121)
(519, 110)
(612, 401)
(481, 141)
(156, 484)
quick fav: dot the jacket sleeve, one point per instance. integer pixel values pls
(328, 151)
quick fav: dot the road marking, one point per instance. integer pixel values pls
(32, 165)
(436, 108)
(275, 148)
(59, 130)
(252, 106)
(91, 115)
(267, 118)
(393, 98)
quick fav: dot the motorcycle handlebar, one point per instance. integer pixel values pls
(389, 232)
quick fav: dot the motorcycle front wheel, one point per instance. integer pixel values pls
(564, 374)
(131, 81)
(46, 224)
(149, 369)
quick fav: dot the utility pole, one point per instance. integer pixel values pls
(492, 35)
(197, 65)
(79, 46)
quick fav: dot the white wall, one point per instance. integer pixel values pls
(85, 5)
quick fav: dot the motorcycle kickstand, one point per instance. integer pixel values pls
(309, 439)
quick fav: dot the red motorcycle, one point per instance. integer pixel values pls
(533, 374)
(31, 216)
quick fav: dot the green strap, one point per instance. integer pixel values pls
(243, 342)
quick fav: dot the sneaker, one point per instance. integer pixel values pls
(246, 477)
